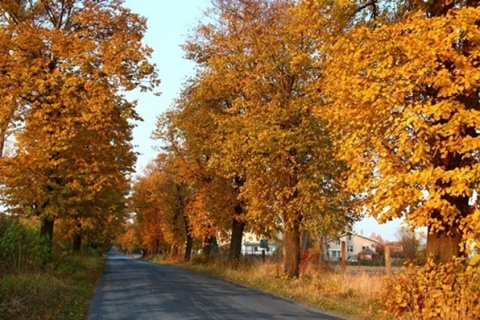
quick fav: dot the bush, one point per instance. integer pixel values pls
(20, 247)
(446, 291)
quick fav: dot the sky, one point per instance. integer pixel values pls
(168, 24)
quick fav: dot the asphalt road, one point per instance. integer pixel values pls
(134, 289)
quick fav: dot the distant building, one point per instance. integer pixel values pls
(252, 245)
(354, 245)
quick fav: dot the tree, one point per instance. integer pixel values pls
(129, 240)
(191, 135)
(255, 66)
(67, 63)
(403, 98)
(144, 203)
(409, 242)
(160, 204)
(380, 246)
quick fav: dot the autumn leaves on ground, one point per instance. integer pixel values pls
(302, 117)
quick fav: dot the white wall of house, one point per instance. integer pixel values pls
(253, 248)
(354, 244)
(251, 245)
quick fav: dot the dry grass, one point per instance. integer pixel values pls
(61, 293)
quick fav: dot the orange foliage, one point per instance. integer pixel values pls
(403, 99)
(246, 122)
(159, 203)
(67, 63)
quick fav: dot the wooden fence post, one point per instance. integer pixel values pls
(388, 261)
(344, 258)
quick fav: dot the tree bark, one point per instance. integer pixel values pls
(188, 247)
(291, 257)
(207, 247)
(77, 242)
(46, 232)
(238, 227)
(2, 144)
(445, 245)
(442, 246)
(77, 238)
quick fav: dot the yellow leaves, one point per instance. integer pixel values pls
(398, 98)
(73, 150)
(446, 291)
(129, 240)
(246, 116)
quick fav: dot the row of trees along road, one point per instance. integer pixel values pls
(302, 114)
(63, 68)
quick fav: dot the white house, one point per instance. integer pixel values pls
(354, 244)
(252, 245)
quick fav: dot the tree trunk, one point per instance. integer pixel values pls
(291, 258)
(188, 248)
(321, 247)
(210, 246)
(174, 250)
(442, 247)
(207, 247)
(236, 239)
(306, 241)
(2, 143)
(156, 246)
(77, 242)
(77, 238)
(46, 232)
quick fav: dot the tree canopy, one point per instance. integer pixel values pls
(247, 120)
(403, 100)
(66, 65)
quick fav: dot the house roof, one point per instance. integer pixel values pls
(357, 235)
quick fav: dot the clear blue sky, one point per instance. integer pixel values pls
(169, 21)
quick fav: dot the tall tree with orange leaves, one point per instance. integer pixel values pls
(159, 201)
(254, 65)
(192, 135)
(66, 64)
(189, 133)
(403, 96)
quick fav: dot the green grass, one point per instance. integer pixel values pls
(63, 292)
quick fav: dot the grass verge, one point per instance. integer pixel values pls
(62, 292)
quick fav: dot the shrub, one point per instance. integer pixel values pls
(20, 247)
(446, 291)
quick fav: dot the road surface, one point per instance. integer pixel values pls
(133, 289)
